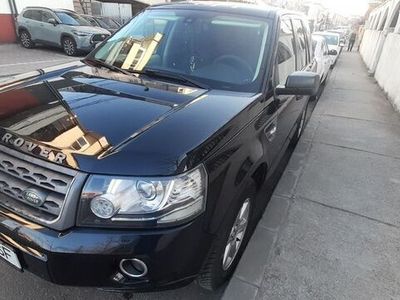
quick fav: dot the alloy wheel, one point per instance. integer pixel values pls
(236, 235)
(69, 47)
(25, 39)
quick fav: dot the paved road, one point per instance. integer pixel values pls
(332, 228)
(16, 285)
(15, 59)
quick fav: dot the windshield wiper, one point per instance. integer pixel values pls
(171, 75)
(149, 72)
(106, 65)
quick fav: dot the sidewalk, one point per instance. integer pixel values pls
(332, 228)
(14, 59)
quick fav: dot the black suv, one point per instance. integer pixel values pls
(141, 166)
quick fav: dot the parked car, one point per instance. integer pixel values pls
(60, 28)
(145, 165)
(334, 44)
(104, 22)
(343, 37)
(321, 56)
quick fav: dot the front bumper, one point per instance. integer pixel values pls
(90, 257)
(85, 43)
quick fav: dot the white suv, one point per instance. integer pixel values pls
(58, 27)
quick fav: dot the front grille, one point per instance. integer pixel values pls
(17, 175)
(97, 38)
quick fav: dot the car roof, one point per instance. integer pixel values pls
(64, 10)
(51, 9)
(318, 38)
(253, 9)
(326, 33)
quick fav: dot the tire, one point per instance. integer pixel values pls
(219, 266)
(26, 40)
(69, 46)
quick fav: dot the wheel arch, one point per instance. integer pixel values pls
(22, 28)
(65, 35)
(260, 174)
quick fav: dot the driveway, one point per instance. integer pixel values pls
(16, 286)
(14, 59)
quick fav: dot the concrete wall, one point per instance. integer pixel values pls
(372, 41)
(7, 30)
(380, 48)
(387, 71)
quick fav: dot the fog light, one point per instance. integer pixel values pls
(103, 207)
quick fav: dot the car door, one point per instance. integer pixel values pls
(49, 33)
(326, 59)
(318, 56)
(32, 23)
(303, 63)
(285, 64)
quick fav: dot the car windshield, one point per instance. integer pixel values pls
(70, 18)
(221, 51)
(332, 40)
(108, 23)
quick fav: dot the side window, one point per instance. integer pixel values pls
(301, 44)
(45, 16)
(322, 51)
(286, 58)
(27, 14)
(35, 15)
(92, 22)
(326, 49)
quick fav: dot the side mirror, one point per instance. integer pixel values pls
(332, 52)
(52, 21)
(300, 83)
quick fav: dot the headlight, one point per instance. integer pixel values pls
(81, 33)
(140, 201)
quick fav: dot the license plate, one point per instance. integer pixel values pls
(8, 254)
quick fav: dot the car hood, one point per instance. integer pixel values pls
(91, 29)
(104, 122)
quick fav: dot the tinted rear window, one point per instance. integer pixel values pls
(33, 15)
(69, 18)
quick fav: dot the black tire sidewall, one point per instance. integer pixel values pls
(219, 275)
(73, 42)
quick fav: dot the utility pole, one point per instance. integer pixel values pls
(83, 6)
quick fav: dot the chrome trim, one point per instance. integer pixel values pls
(140, 262)
(26, 249)
(67, 213)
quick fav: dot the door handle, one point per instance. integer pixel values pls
(270, 131)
